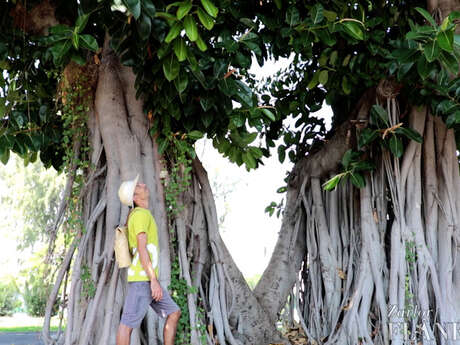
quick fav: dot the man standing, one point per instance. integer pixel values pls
(143, 286)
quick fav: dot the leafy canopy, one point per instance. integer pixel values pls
(191, 60)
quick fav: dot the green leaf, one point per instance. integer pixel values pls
(167, 16)
(255, 151)
(396, 146)
(346, 60)
(332, 183)
(163, 51)
(249, 161)
(426, 15)
(200, 44)
(60, 30)
(5, 156)
(323, 77)
(453, 119)
(454, 15)
(330, 15)
(348, 156)
(206, 103)
(162, 145)
(144, 27)
(183, 9)
(446, 40)
(333, 57)
(268, 114)
(357, 179)
(292, 16)
(346, 85)
(195, 135)
(149, 8)
(449, 61)
(180, 49)
(423, 67)
(210, 8)
(362, 166)
(431, 51)
(380, 113)
(445, 23)
(205, 19)
(89, 42)
(410, 133)
(404, 69)
(253, 46)
(81, 22)
(60, 49)
(173, 32)
(316, 13)
(353, 29)
(171, 67)
(75, 40)
(278, 4)
(173, 4)
(367, 136)
(419, 35)
(325, 36)
(314, 81)
(181, 82)
(243, 93)
(133, 6)
(281, 153)
(190, 28)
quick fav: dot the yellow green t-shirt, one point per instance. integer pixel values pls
(141, 220)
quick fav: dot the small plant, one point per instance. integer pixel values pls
(88, 287)
(36, 294)
(9, 298)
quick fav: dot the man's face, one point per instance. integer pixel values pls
(141, 192)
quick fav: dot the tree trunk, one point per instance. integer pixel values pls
(379, 264)
(221, 307)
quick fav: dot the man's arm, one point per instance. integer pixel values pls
(157, 292)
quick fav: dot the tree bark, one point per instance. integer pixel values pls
(221, 307)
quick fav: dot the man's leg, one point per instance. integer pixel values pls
(169, 332)
(123, 334)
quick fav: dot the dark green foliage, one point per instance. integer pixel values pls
(36, 294)
(9, 298)
(179, 290)
(191, 83)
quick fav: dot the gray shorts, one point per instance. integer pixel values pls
(138, 299)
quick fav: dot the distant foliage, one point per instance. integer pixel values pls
(9, 298)
(36, 295)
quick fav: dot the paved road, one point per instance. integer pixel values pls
(24, 338)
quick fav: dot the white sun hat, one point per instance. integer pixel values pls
(126, 191)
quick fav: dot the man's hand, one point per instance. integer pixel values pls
(157, 292)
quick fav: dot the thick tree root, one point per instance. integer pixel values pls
(379, 264)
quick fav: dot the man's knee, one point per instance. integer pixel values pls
(122, 328)
(175, 315)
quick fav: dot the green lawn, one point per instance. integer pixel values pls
(25, 329)
(24, 323)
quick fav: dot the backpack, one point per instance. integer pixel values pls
(122, 253)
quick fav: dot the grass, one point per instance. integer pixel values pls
(26, 329)
(23, 323)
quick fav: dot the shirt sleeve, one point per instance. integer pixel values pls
(138, 223)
